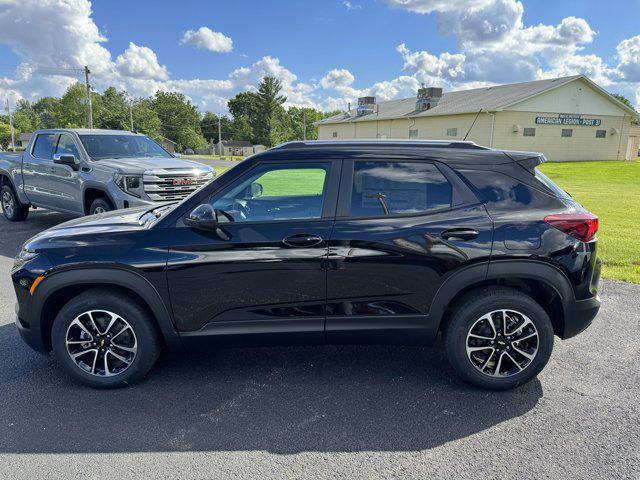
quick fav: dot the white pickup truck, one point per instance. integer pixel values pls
(83, 172)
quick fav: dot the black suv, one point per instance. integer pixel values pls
(324, 242)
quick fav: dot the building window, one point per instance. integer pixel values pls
(334, 134)
(452, 132)
(413, 133)
(529, 132)
(567, 132)
(601, 133)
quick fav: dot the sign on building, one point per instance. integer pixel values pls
(569, 119)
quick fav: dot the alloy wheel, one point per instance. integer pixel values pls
(502, 343)
(98, 210)
(101, 343)
(8, 204)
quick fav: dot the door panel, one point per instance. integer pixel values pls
(65, 181)
(384, 271)
(38, 168)
(263, 278)
(253, 277)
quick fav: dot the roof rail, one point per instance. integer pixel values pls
(463, 144)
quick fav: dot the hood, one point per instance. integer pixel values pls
(139, 165)
(71, 232)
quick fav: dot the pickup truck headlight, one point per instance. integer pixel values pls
(131, 184)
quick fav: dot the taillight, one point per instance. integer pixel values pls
(582, 226)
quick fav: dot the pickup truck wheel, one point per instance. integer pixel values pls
(498, 338)
(100, 205)
(13, 209)
(105, 339)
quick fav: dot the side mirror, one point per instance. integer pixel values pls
(255, 190)
(205, 217)
(66, 159)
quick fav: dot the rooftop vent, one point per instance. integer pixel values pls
(428, 98)
(366, 105)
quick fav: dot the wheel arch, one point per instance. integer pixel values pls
(56, 290)
(91, 193)
(543, 282)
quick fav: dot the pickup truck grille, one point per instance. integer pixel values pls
(167, 185)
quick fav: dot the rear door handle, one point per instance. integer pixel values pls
(302, 240)
(460, 234)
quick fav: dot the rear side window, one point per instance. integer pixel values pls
(396, 188)
(550, 184)
(43, 148)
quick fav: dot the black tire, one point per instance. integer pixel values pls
(13, 209)
(473, 307)
(148, 342)
(100, 205)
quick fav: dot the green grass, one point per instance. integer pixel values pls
(611, 190)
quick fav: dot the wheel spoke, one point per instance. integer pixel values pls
(486, 362)
(526, 337)
(110, 358)
(525, 322)
(489, 320)
(514, 361)
(523, 353)
(496, 372)
(119, 357)
(477, 349)
(473, 335)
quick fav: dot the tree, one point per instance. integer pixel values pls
(623, 99)
(145, 118)
(71, 110)
(45, 108)
(297, 117)
(25, 118)
(5, 134)
(179, 119)
(269, 112)
(113, 111)
(241, 129)
(244, 104)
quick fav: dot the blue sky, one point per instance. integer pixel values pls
(326, 53)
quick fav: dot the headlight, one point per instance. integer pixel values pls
(131, 184)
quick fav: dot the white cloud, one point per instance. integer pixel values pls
(629, 56)
(429, 6)
(141, 62)
(351, 6)
(206, 39)
(337, 78)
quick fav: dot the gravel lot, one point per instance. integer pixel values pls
(324, 412)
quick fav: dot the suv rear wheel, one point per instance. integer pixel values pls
(498, 338)
(105, 339)
(13, 209)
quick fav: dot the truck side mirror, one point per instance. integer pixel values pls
(66, 159)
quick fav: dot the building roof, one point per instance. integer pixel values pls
(488, 99)
(236, 143)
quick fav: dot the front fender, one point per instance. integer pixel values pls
(99, 276)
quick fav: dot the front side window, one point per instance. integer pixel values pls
(43, 147)
(275, 192)
(121, 146)
(395, 188)
(66, 146)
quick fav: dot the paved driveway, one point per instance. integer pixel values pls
(324, 412)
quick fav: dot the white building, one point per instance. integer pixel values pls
(569, 118)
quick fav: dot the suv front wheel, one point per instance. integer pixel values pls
(105, 339)
(498, 338)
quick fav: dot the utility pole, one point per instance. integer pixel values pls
(304, 124)
(13, 139)
(131, 113)
(90, 111)
(220, 136)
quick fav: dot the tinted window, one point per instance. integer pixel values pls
(121, 146)
(43, 147)
(392, 188)
(66, 146)
(276, 192)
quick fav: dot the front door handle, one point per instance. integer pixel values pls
(302, 240)
(460, 234)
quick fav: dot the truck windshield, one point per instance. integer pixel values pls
(121, 146)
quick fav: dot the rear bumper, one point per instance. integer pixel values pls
(579, 315)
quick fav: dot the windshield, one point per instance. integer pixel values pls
(121, 146)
